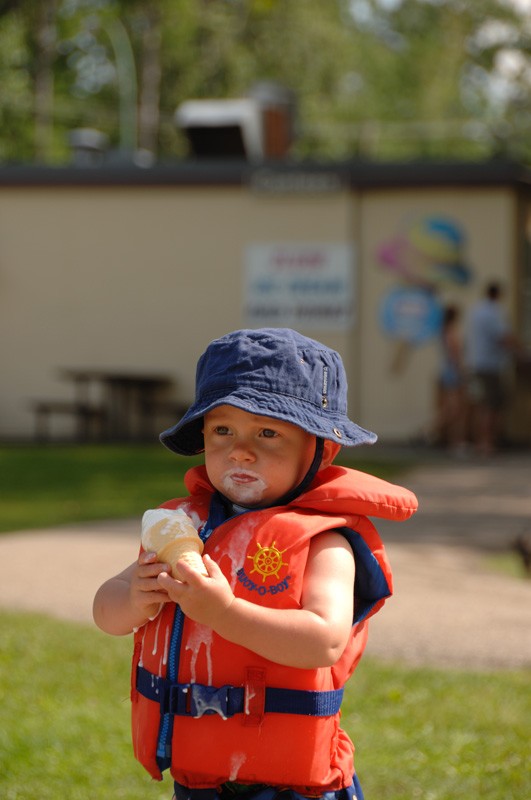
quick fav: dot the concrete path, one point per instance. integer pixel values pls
(449, 608)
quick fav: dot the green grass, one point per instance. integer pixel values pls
(65, 714)
(50, 485)
(420, 733)
(507, 563)
(440, 735)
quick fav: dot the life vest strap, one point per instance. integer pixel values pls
(196, 699)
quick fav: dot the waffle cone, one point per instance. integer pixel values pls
(186, 549)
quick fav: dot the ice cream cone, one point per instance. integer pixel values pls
(186, 550)
(172, 535)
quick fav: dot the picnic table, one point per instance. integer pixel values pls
(111, 404)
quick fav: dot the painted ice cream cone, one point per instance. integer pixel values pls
(172, 536)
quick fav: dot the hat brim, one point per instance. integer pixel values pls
(186, 436)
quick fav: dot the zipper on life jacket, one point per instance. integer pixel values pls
(166, 725)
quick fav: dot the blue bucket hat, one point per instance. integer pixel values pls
(272, 372)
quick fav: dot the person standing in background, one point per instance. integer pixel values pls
(489, 343)
(451, 420)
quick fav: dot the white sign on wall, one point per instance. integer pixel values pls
(299, 285)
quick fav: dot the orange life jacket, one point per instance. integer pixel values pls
(213, 711)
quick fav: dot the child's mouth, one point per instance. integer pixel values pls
(244, 486)
(242, 477)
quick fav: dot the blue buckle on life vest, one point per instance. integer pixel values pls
(194, 700)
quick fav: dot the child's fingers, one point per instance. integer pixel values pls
(158, 597)
(150, 585)
(213, 568)
(165, 579)
(151, 570)
(147, 558)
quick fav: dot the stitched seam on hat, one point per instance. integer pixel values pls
(221, 389)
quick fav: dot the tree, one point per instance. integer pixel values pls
(33, 52)
(44, 49)
(436, 68)
(16, 97)
(373, 78)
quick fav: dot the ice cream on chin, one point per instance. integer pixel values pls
(172, 536)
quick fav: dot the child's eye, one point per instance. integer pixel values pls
(269, 433)
(221, 430)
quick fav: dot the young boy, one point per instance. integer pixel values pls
(238, 675)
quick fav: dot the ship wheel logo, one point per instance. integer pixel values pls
(267, 561)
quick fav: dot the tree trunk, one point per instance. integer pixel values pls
(45, 36)
(150, 78)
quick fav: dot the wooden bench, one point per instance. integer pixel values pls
(90, 419)
(159, 414)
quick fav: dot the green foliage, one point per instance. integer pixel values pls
(16, 99)
(372, 79)
(419, 733)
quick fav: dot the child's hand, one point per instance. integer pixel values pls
(146, 594)
(203, 599)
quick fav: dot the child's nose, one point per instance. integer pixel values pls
(242, 451)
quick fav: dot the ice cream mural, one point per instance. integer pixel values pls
(427, 258)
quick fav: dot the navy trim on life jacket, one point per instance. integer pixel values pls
(165, 735)
(195, 699)
(370, 583)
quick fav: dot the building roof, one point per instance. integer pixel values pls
(276, 176)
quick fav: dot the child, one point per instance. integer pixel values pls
(238, 675)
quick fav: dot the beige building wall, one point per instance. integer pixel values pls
(134, 279)
(141, 278)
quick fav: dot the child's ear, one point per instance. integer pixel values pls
(330, 451)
